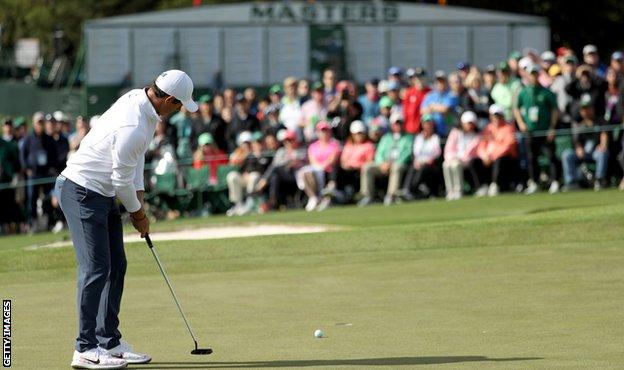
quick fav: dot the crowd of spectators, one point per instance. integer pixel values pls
(535, 121)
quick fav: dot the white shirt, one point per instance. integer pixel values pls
(426, 150)
(111, 156)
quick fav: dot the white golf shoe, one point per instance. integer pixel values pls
(124, 351)
(96, 358)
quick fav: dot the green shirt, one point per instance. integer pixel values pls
(503, 95)
(391, 150)
(536, 104)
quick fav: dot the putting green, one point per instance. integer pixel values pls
(513, 282)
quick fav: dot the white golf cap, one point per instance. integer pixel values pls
(179, 85)
(357, 127)
(396, 117)
(244, 137)
(589, 48)
(548, 56)
(468, 117)
(496, 109)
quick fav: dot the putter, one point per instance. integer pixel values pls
(196, 351)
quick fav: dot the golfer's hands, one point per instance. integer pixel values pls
(140, 222)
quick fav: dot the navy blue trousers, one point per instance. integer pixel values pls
(97, 234)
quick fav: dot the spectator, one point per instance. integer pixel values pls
(280, 176)
(391, 158)
(440, 103)
(489, 78)
(513, 61)
(303, 91)
(505, 90)
(275, 95)
(207, 120)
(424, 173)
(160, 152)
(323, 155)
(617, 65)
(548, 59)
(592, 60)
(375, 133)
(476, 99)
(290, 111)
(564, 99)
(463, 69)
(459, 151)
(242, 120)
(183, 124)
(82, 128)
(313, 111)
(395, 75)
(614, 97)
(394, 89)
(343, 110)
(588, 84)
(9, 168)
(38, 156)
(230, 130)
(271, 124)
(357, 152)
(495, 163)
(536, 112)
(251, 97)
(209, 154)
(382, 122)
(414, 97)
(370, 101)
(229, 98)
(61, 144)
(590, 145)
(242, 183)
(218, 103)
(329, 82)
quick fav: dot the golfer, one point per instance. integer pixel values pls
(109, 164)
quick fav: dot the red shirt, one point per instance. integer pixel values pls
(411, 108)
(212, 157)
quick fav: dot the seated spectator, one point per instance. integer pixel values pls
(413, 99)
(440, 103)
(536, 113)
(590, 145)
(424, 173)
(382, 121)
(323, 155)
(271, 123)
(313, 111)
(290, 111)
(496, 164)
(209, 154)
(391, 158)
(280, 176)
(370, 101)
(242, 183)
(357, 152)
(459, 151)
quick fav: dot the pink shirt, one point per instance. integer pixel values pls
(357, 155)
(319, 152)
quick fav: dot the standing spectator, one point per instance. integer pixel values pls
(425, 168)
(230, 129)
(617, 65)
(587, 84)
(496, 155)
(343, 110)
(395, 75)
(548, 59)
(459, 151)
(229, 98)
(242, 120)
(207, 120)
(61, 144)
(251, 96)
(82, 129)
(9, 168)
(313, 111)
(440, 103)
(290, 112)
(514, 64)
(209, 154)
(505, 90)
(536, 112)
(271, 124)
(391, 158)
(414, 97)
(357, 152)
(303, 91)
(463, 69)
(614, 97)
(476, 99)
(275, 94)
(38, 155)
(218, 103)
(564, 99)
(183, 124)
(329, 82)
(489, 78)
(590, 145)
(370, 101)
(323, 155)
(592, 60)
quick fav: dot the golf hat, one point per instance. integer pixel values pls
(490, 68)
(496, 110)
(385, 102)
(525, 62)
(440, 75)
(515, 55)
(570, 59)
(179, 85)
(586, 101)
(548, 56)
(426, 118)
(468, 117)
(60, 116)
(617, 55)
(395, 71)
(257, 136)
(205, 139)
(382, 87)
(275, 89)
(244, 137)
(533, 68)
(503, 66)
(416, 72)
(462, 66)
(206, 98)
(317, 86)
(589, 49)
(396, 117)
(357, 127)
(323, 125)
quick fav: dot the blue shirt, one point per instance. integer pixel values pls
(447, 98)
(370, 109)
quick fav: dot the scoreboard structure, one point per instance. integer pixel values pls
(261, 43)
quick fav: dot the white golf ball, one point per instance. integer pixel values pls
(318, 333)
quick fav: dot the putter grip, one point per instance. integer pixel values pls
(149, 241)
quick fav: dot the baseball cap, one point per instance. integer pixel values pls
(416, 72)
(179, 85)
(275, 89)
(317, 86)
(589, 49)
(515, 55)
(586, 101)
(496, 109)
(548, 56)
(462, 66)
(385, 102)
(490, 68)
(244, 137)
(206, 98)
(503, 66)
(205, 138)
(60, 116)
(256, 136)
(18, 121)
(468, 117)
(617, 55)
(382, 87)
(533, 68)
(427, 118)
(322, 125)
(49, 117)
(395, 71)
(357, 127)
(440, 75)
(396, 117)
(393, 85)
(570, 59)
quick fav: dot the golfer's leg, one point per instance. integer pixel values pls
(107, 331)
(86, 218)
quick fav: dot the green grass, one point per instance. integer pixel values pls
(514, 282)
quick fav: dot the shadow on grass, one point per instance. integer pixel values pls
(383, 361)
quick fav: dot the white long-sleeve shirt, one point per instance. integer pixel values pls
(426, 149)
(111, 156)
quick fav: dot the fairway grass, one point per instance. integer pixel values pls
(515, 282)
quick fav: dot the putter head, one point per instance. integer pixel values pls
(201, 351)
